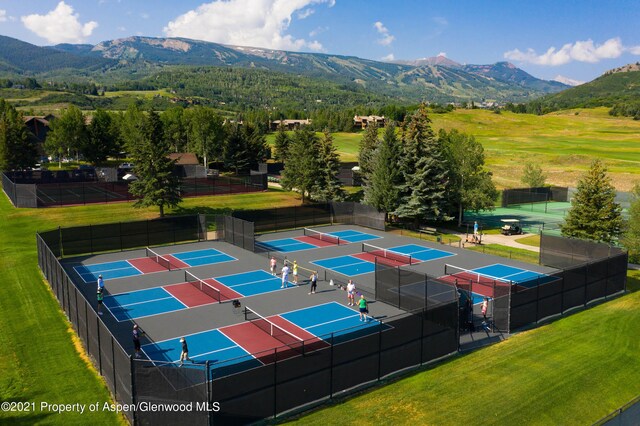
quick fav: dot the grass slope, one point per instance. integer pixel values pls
(38, 356)
(573, 371)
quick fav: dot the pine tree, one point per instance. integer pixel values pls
(631, 239)
(594, 214)
(17, 150)
(175, 131)
(532, 175)
(471, 186)
(383, 191)
(236, 150)
(328, 186)
(257, 149)
(425, 174)
(368, 145)
(281, 145)
(157, 184)
(302, 171)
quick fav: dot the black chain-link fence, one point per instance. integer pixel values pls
(39, 190)
(534, 195)
(120, 236)
(238, 232)
(106, 353)
(282, 218)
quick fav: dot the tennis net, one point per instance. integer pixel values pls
(469, 275)
(387, 254)
(160, 260)
(204, 287)
(291, 340)
(321, 236)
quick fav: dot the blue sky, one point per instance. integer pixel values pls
(575, 39)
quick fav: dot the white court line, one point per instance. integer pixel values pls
(335, 320)
(144, 301)
(254, 282)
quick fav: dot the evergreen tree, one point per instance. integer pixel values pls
(157, 185)
(383, 191)
(425, 173)
(328, 186)
(532, 176)
(302, 170)
(631, 239)
(68, 133)
(132, 125)
(236, 149)
(594, 214)
(281, 144)
(471, 186)
(368, 145)
(17, 150)
(257, 149)
(101, 140)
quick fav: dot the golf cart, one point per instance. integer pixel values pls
(510, 227)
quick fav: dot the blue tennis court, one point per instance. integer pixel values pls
(228, 349)
(346, 265)
(203, 257)
(211, 345)
(252, 283)
(516, 275)
(141, 303)
(285, 245)
(353, 236)
(421, 253)
(108, 270)
(332, 319)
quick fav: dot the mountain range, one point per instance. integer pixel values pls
(436, 79)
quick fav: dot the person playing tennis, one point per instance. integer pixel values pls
(285, 275)
(184, 355)
(351, 291)
(314, 282)
(364, 309)
(295, 272)
(273, 264)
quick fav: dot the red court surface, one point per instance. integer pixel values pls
(316, 242)
(146, 265)
(175, 262)
(311, 342)
(469, 282)
(371, 257)
(192, 297)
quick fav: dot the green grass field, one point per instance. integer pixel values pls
(564, 143)
(40, 359)
(573, 371)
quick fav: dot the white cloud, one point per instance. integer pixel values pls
(390, 57)
(581, 51)
(60, 25)
(440, 21)
(305, 13)
(3, 15)
(258, 23)
(121, 29)
(444, 54)
(317, 31)
(144, 15)
(387, 38)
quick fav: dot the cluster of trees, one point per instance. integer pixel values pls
(415, 175)
(17, 150)
(311, 164)
(626, 109)
(199, 130)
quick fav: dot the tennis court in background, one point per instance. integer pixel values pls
(482, 282)
(313, 239)
(260, 340)
(364, 262)
(152, 262)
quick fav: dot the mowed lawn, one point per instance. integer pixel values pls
(39, 360)
(573, 371)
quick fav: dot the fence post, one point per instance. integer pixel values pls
(275, 383)
(132, 376)
(331, 369)
(99, 345)
(379, 350)
(113, 362)
(422, 319)
(208, 383)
